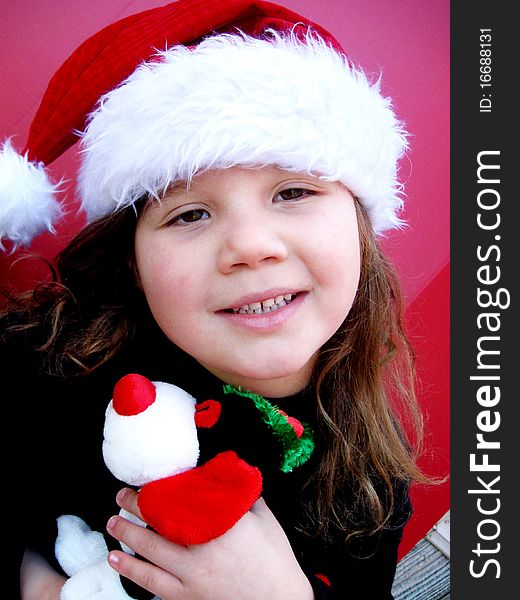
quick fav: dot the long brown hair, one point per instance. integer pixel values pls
(88, 311)
(363, 379)
(369, 415)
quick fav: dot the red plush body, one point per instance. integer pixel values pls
(201, 504)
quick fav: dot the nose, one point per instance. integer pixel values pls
(248, 245)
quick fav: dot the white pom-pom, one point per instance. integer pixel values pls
(27, 198)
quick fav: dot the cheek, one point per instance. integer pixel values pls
(343, 278)
(337, 254)
(166, 280)
(338, 265)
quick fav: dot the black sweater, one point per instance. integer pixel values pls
(56, 465)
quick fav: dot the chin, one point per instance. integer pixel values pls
(276, 370)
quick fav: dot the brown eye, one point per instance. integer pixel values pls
(191, 216)
(292, 194)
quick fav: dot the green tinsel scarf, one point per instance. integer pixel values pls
(296, 450)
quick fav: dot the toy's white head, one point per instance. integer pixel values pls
(150, 431)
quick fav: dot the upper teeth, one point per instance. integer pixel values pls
(265, 306)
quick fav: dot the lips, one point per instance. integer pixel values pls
(258, 314)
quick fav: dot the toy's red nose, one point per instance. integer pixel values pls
(133, 394)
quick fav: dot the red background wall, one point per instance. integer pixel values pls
(407, 41)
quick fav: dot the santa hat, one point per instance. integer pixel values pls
(194, 85)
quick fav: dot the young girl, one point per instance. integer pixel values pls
(236, 172)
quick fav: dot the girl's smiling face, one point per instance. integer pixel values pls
(251, 271)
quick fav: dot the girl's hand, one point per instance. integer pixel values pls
(252, 561)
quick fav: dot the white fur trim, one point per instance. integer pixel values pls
(27, 198)
(158, 442)
(236, 100)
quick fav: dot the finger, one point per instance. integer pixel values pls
(148, 544)
(147, 575)
(127, 499)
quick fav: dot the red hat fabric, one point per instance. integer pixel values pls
(133, 93)
(107, 58)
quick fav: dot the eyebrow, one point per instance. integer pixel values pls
(172, 190)
(175, 188)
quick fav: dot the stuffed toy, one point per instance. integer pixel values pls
(153, 440)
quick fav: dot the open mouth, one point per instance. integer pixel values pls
(264, 306)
